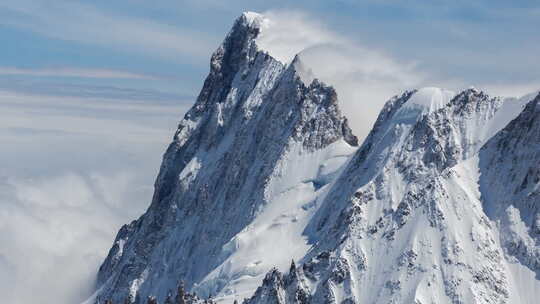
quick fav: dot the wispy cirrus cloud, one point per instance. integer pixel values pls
(94, 91)
(73, 72)
(75, 21)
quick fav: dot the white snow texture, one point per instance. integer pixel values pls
(439, 204)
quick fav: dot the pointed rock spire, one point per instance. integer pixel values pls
(292, 270)
(180, 296)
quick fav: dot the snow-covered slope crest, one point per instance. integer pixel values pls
(247, 168)
(509, 166)
(438, 205)
(415, 217)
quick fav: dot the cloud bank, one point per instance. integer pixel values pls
(74, 170)
(56, 228)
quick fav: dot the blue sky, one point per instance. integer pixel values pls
(483, 43)
(91, 92)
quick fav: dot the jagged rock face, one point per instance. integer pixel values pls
(232, 158)
(406, 220)
(438, 205)
(279, 288)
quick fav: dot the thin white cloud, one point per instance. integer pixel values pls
(73, 72)
(127, 120)
(364, 78)
(286, 33)
(73, 21)
(511, 90)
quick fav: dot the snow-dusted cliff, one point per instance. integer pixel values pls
(237, 182)
(406, 221)
(438, 205)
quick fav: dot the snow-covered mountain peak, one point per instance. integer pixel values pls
(406, 220)
(262, 33)
(438, 205)
(429, 99)
(253, 19)
(247, 163)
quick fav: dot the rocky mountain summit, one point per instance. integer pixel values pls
(439, 204)
(408, 220)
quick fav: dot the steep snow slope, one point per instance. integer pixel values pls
(509, 165)
(438, 205)
(241, 177)
(405, 222)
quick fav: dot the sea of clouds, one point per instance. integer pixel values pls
(73, 171)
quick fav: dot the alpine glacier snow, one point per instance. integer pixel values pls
(264, 196)
(242, 175)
